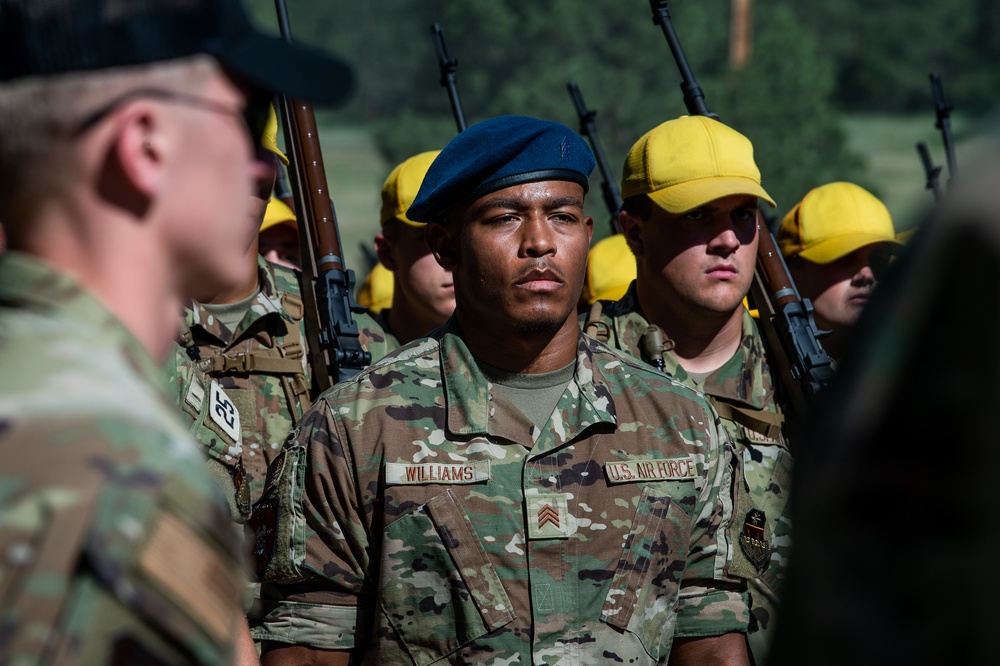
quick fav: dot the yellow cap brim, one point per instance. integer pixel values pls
(830, 250)
(687, 196)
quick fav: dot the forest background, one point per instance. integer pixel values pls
(828, 90)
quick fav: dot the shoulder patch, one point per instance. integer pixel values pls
(191, 573)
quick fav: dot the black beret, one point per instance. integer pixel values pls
(498, 153)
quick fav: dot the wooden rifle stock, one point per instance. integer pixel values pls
(335, 351)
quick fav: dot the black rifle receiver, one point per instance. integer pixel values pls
(803, 365)
(609, 187)
(449, 75)
(335, 351)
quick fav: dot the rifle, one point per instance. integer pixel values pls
(609, 187)
(449, 75)
(932, 172)
(694, 98)
(335, 351)
(803, 365)
(943, 112)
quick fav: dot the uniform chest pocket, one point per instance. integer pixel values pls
(438, 589)
(643, 593)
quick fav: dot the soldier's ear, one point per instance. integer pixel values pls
(443, 243)
(133, 168)
(631, 227)
(383, 249)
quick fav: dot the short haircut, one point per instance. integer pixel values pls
(39, 118)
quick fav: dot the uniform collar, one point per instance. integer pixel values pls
(471, 411)
(744, 378)
(267, 302)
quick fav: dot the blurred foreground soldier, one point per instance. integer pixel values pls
(884, 411)
(690, 215)
(837, 243)
(278, 240)
(127, 157)
(423, 296)
(507, 490)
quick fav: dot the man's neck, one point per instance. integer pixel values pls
(119, 264)
(408, 323)
(515, 351)
(247, 288)
(703, 342)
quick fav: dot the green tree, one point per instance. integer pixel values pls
(782, 102)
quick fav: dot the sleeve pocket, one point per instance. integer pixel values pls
(644, 589)
(438, 588)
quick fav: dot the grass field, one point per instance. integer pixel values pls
(356, 170)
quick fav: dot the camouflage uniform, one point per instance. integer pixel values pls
(242, 391)
(419, 516)
(113, 542)
(743, 392)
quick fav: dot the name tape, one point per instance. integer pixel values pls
(399, 474)
(656, 469)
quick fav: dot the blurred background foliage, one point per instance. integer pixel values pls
(817, 73)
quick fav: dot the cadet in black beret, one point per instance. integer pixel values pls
(498, 153)
(460, 486)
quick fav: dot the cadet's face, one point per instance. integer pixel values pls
(520, 255)
(216, 173)
(840, 290)
(703, 259)
(423, 282)
(280, 245)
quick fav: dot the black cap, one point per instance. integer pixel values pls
(44, 37)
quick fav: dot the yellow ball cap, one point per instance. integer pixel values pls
(270, 139)
(375, 292)
(690, 161)
(610, 270)
(278, 212)
(402, 185)
(834, 220)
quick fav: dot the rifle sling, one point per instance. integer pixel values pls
(759, 420)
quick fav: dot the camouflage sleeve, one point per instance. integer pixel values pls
(710, 602)
(115, 553)
(310, 540)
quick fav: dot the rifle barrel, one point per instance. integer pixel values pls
(694, 98)
(943, 112)
(588, 128)
(449, 75)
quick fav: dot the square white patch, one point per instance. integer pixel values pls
(223, 411)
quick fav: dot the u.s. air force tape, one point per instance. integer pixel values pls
(397, 474)
(650, 469)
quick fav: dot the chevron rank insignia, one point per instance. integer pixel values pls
(548, 516)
